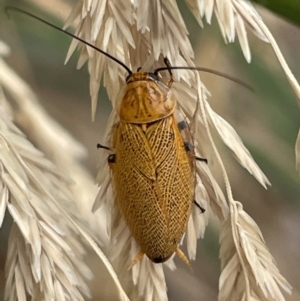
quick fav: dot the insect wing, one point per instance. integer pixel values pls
(153, 183)
(132, 151)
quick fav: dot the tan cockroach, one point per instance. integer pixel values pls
(153, 165)
(153, 170)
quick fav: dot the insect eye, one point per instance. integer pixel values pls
(154, 76)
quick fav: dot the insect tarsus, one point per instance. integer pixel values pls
(200, 207)
(102, 146)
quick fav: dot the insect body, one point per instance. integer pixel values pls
(153, 171)
(153, 167)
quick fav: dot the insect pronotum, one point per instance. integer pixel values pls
(153, 165)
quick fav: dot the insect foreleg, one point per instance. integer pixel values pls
(111, 158)
(200, 207)
(102, 146)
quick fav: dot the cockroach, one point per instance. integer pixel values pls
(153, 173)
(153, 166)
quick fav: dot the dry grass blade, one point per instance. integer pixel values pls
(141, 36)
(198, 220)
(110, 27)
(217, 200)
(290, 76)
(232, 17)
(49, 136)
(233, 141)
(45, 259)
(257, 276)
(39, 227)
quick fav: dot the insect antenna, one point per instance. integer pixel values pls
(12, 8)
(102, 146)
(203, 69)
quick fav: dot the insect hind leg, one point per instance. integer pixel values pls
(182, 125)
(182, 256)
(189, 147)
(201, 159)
(136, 259)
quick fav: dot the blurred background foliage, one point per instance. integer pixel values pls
(289, 9)
(267, 121)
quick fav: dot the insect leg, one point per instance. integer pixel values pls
(189, 147)
(182, 256)
(102, 146)
(136, 259)
(171, 80)
(182, 125)
(201, 208)
(111, 158)
(201, 159)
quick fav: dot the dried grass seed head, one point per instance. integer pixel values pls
(43, 250)
(140, 34)
(45, 258)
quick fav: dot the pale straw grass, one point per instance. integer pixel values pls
(141, 33)
(45, 256)
(58, 144)
(259, 268)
